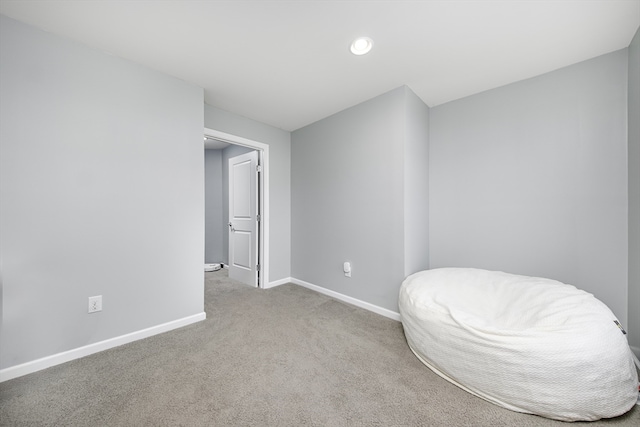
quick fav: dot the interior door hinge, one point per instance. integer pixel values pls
(258, 218)
(258, 267)
(259, 168)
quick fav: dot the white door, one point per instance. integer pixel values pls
(243, 218)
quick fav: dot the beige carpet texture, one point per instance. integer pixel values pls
(285, 356)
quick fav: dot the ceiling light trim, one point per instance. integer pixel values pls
(361, 46)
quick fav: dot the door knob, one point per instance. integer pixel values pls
(231, 227)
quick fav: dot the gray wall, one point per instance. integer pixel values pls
(279, 142)
(531, 178)
(416, 184)
(101, 180)
(213, 207)
(348, 197)
(634, 192)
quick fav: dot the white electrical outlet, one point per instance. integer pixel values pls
(346, 267)
(95, 304)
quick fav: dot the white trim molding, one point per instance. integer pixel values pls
(353, 301)
(279, 282)
(77, 353)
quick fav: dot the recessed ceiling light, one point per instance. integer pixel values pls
(361, 45)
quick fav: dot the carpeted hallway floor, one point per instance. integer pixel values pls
(286, 356)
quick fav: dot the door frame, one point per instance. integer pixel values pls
(263, 196)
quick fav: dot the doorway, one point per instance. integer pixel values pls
(262, 231)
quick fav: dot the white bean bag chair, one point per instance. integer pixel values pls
(528, 344)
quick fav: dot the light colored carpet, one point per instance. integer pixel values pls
(280, 357)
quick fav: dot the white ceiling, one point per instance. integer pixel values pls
(287, 63)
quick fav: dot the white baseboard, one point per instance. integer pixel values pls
(77, 353)
(353, 301)
(278, 282)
